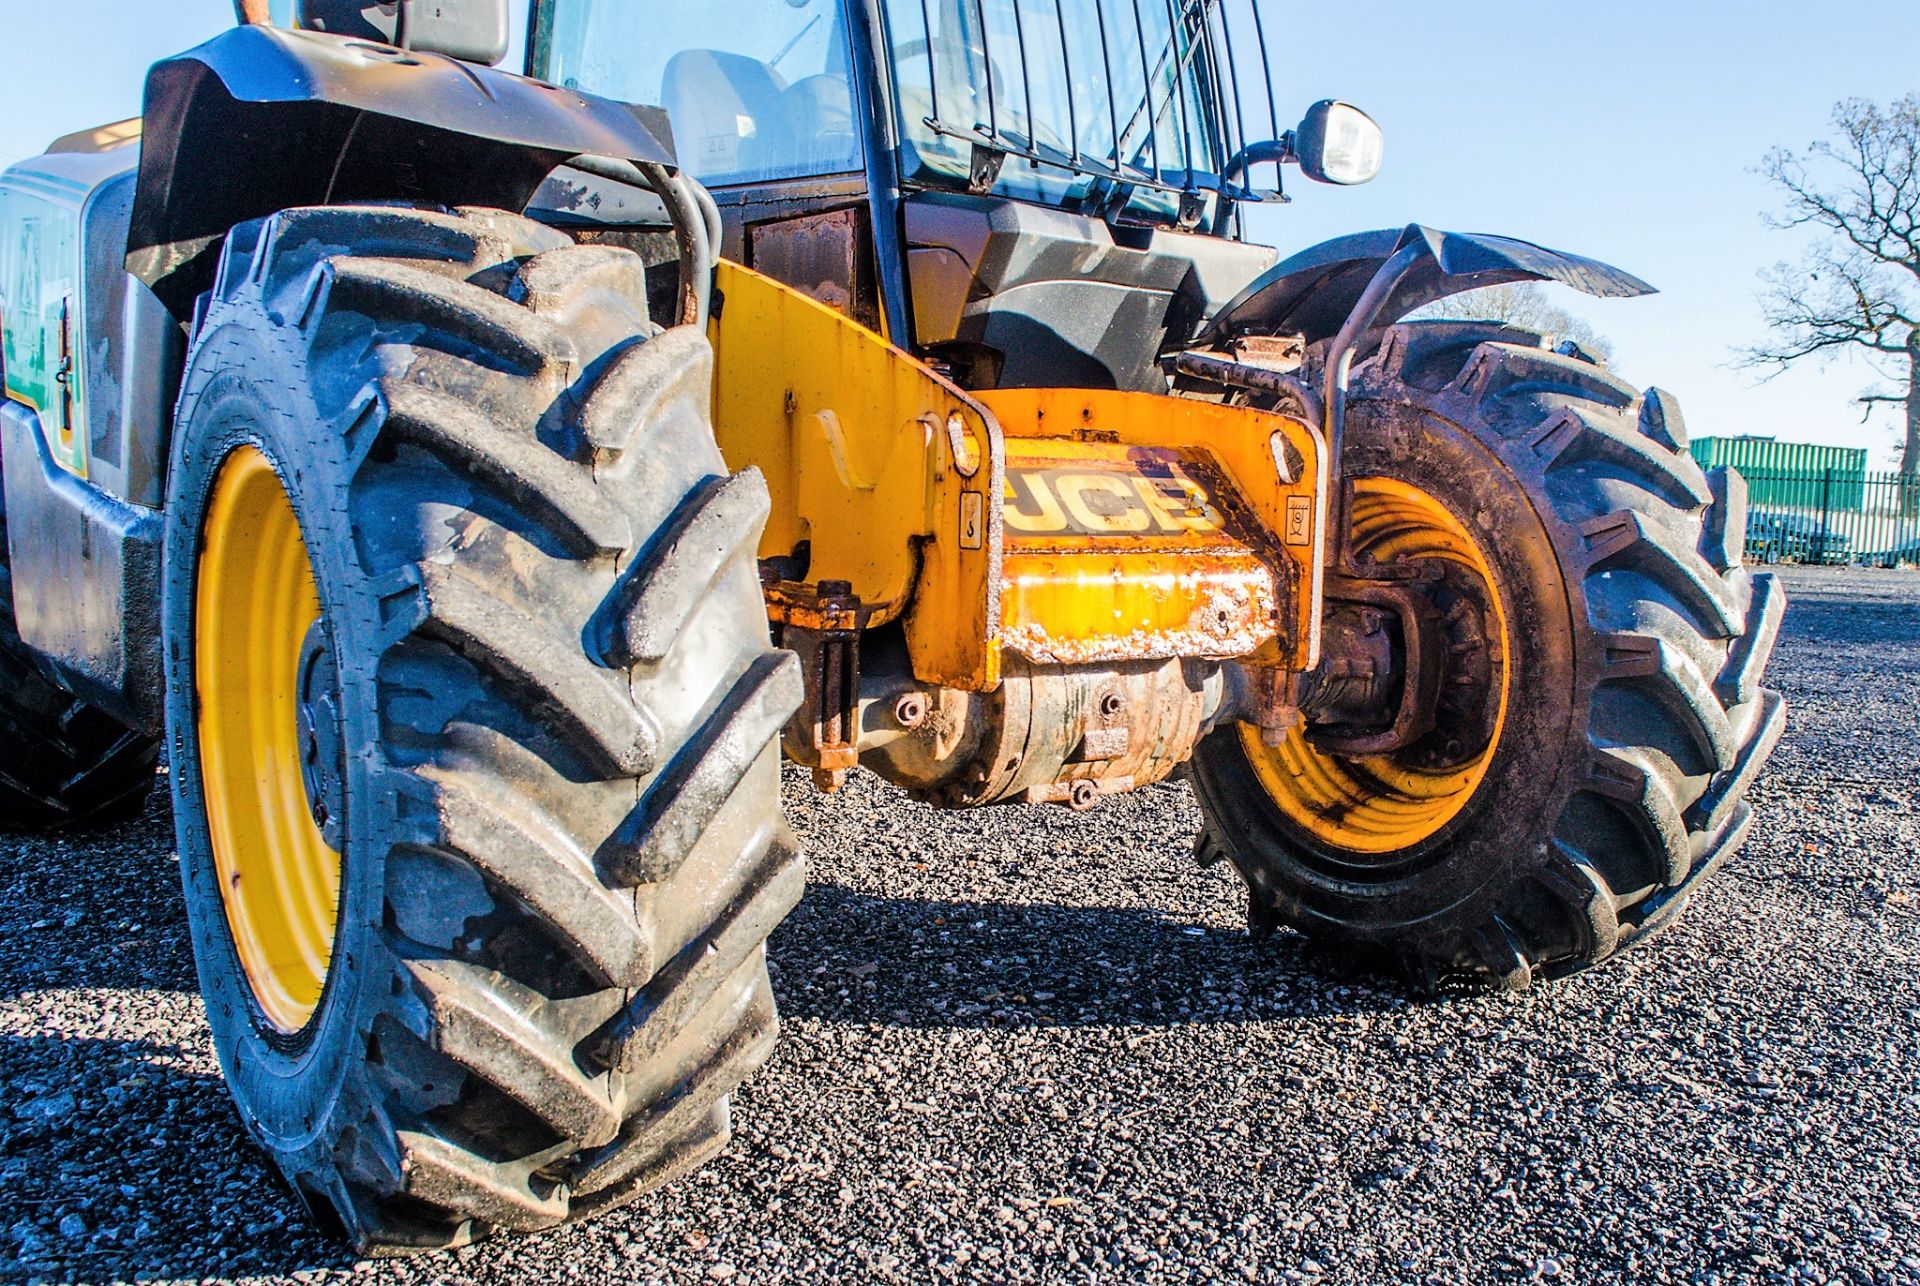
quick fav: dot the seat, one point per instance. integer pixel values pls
(819, 116)
(728, 114)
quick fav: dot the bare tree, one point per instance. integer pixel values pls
(1521, 304)
(1857, 288)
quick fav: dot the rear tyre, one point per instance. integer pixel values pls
(1630, 654)
(474, 713)
(63, 762)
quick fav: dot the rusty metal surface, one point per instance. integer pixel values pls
(1059, 734)
(1118, 552)
(1283, 353)
(811, 607)
(822, 626)
(1159, 606)
(823, 257)
(1367, 655)
(1159, 581)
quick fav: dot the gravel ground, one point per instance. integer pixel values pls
(1031, 1045)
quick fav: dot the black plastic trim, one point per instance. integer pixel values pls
(259, 120)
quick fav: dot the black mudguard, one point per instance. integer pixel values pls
(261, 119)
(1313, 292)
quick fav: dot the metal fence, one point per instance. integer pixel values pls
(1834, 517)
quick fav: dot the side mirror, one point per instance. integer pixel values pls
(1337, 143)
(473, 31)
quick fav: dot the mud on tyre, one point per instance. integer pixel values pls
(1635, 716)
(534, 709)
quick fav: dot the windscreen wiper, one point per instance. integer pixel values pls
(788, 47)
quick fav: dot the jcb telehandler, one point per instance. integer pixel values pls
(418, 453)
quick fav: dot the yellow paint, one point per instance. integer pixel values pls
(856, 439)
(1117, 552)
(1144, 526)
(1378, 804)
(1075, 526)
(1097, 607)
(254, 603)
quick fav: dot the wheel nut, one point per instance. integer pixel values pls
(911, 710)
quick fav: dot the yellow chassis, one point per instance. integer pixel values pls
(1065, 527)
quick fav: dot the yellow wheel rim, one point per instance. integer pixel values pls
(1379, 804)
(255, 602)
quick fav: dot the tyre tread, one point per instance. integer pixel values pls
(514, 339)
(1671, 625)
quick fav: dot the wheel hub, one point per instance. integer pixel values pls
(1403, 720)
(317, 728)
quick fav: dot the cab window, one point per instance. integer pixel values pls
(758, 90)
(1056, 78)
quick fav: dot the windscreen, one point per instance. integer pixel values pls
(1140, 94)
(757, 90)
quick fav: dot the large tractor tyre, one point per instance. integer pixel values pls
(473, 715)
(1600, 714)
(63, 761)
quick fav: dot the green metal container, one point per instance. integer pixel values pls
(1791, 474)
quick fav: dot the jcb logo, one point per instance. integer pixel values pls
(1055, 502)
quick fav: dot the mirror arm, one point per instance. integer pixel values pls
(1277, 151)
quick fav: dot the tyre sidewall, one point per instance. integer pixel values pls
(1499, 837)
(246, 385)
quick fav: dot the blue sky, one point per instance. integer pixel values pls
(1625, 131)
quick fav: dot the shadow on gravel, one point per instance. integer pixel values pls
(120, 1158)
(98, 908)
(126, 955)
(1820, 614)
(846, 956)
(119, 1163)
